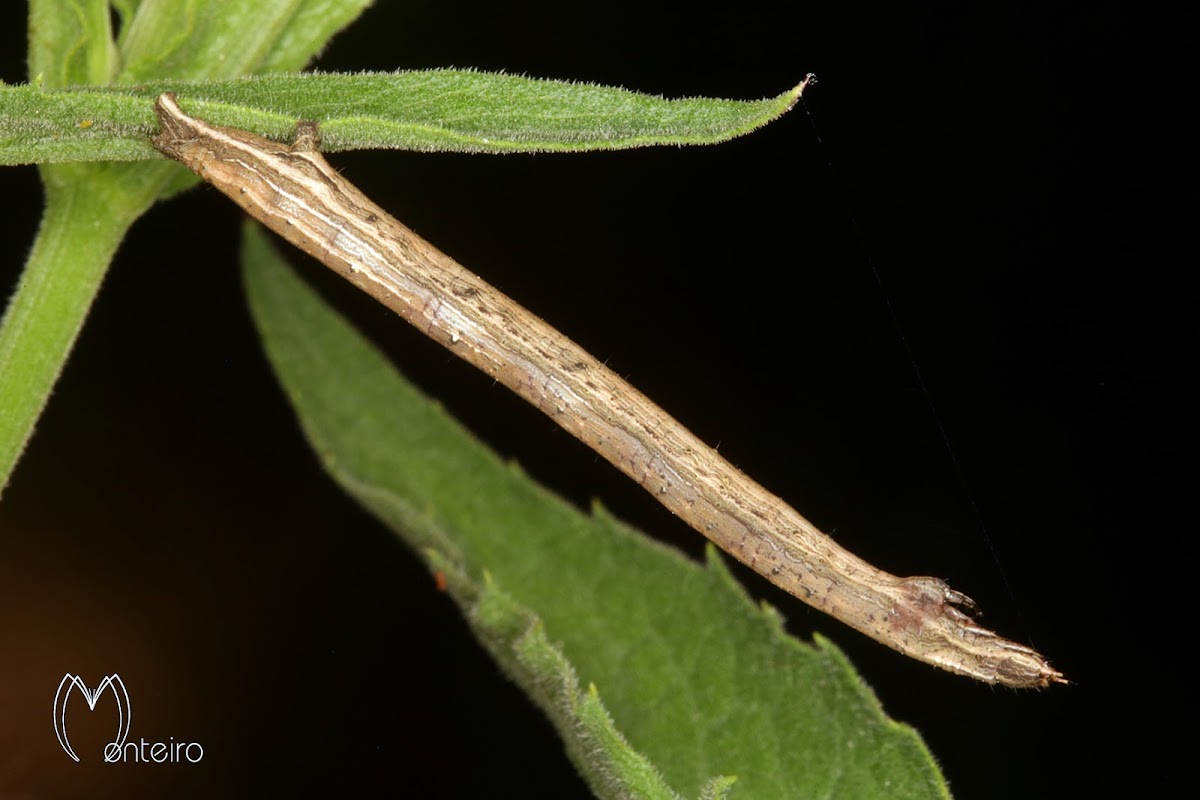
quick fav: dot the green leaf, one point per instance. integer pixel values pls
(699, 681)
(200, 39)
(453, 110)
(311, 25)
(70, 42)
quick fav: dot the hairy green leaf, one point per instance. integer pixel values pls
(70, 42)
(200, 40)
(454, 110)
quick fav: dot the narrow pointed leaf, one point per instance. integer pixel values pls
(451, 110)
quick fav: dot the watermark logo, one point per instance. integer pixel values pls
(119, 750)
(69, 684)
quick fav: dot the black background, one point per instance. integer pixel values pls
(168, 522)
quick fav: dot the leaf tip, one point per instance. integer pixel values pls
(796, 93)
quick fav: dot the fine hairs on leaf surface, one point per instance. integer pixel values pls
(431, 110)
(699, 681)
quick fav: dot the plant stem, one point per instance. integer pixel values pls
(82, 226)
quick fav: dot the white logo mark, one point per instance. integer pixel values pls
(70, 682)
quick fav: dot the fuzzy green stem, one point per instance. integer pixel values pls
(80, 232)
